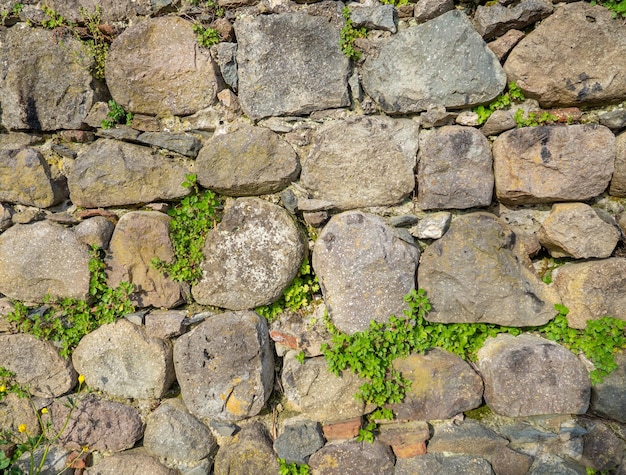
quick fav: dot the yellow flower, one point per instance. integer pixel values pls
(3, 388)
(21, 428)
(81, 379)
(44, 410)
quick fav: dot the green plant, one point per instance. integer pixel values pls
(395, 3)
(8, 384)
(191, 221)
(513, 95)
(292, 468)
(618, 7)
(206, 37)
(116, 115)
(549, 265)
(13, 11)
(534, 119)
(95, 42)
(67, 320)
(300, 357)
(55, 20)
(348, 34)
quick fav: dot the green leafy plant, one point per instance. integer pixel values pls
(55, 20)
(300, 357)
(348, 34)
(618, 7)
(292, 468)
(95, 42)
(395, 3)
(513, 95)
(534, 119)
(549, 265)
(206, 36)
(191, 221)
(116, 115)
(10, 12)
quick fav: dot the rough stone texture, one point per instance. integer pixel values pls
(139, 237)
(618, 182)
(436, 464)
(173, 434)
(442, 386)
(603, 450)
(185, 144)
(225, 367)
(25, 179)
(247, 161)
(443, 61)
(510, 462)
(458, 273)
(504, 44)
(112, 173)
(157, 67)
(468, 438)
(6, 213)
(225, 55)
(407, 439)
(614, 120)
(14, 411)
(364, 270)
(99, 424)
(546, 164)
(122, 360)
(166, 323)
(290, 63)
(381, 17)
(318, 394)
(494, 20)
(587, 68)
(592, 290)
(455, 169)
(298, 441)
(550, 464)
(249, 452)
(56, 459)
(428, 9)
(528, 375)
(42, 258)
(576, 230)
(432, 226)
(364, 161)
(250, 257)
(361, 161)
(96, 231)
(136, 461)
(30, 98)
(112, 10)
(353, 458)
(608, 398)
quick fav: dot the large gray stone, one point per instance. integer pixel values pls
(290, 63)
(586, 69)
(298, 441)
(608, 398)
(364, 270)
(547, 164)
(249, 452)
(440, 464)
(364, 161)
(468, 437)
(494, 20)
(476, 273)
(225, 367)
(113, 173)
(529, 375)
(111, 10)
(353, 458)
(441, 62)
(135, 461)
(250, 257)
(157, 67)
(42, 259)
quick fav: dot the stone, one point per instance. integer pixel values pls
(135, 461)
(603, 450)
(165, 324)
(364, 270)
(47, 460)
(298, 441)
(499, 121)
(576, 230)
(550, 464)
(459, 270)
(467, 118)
(111, 10)
(343, 430)
(15, 410)
(157, 67)
(225, 55)
(455, 169)
(503, 45)
(495, 20)
(428, 9)
(250, 451)
(40, 259)
(252, 255)
(225, 367)
(113, 173)
(381, 17)
(173, 434)
(6, 213)
(353, 458)
(546, 164)
(426, 65)
(583, 71)
(247, 161)
(122, 360)
(407, 439)
(439, 463)
(33, 93)
(608, 398)
(185, 143)
(432, 226)
(139, 237)
(96, 231)
(442, 386)
(19, 140)
(615, 119)
(362, 161)
(25, 178)
(618, 181)
(510, 462)
(528, 375)
(290, 64)
(592, 289)
(468, 438)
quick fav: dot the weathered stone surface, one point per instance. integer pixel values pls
(139, 237)
(290, 63)
(504, 44)
(546, 164)
(99, 424)
(549, 464)
(225, 366)
(14, 411)
(440, 464)
(592, 290)
(298, 441)
(157, 67)
(113, 173)
(494, 20)
(247, 161)
(174, 435)
(225, 55)
(608, 398)
(380, 17)
(364, 161)
(442, 386)
(25, 179)
(249, 452)
(122, 360)
(96, 231)
(528, 375)
(428, 9)
(364, 270)
(135, 461)
(33, 93)
(458, 273)
(586, 69)
(603, 450)
(576, 230)
(250, 257)
(43, 258)
(352, 458)
(432, 226)
(615, 119)
(48, 460)
(318, 394)
(111, 10)
(428, 64)
(455, 169)
(468, 437)
(618, 182)
(510, 462)
(407, 439)
(37, 365)
(185, 144)
(6, 213)
(165, 323)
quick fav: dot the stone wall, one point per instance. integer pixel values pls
(374, 168)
